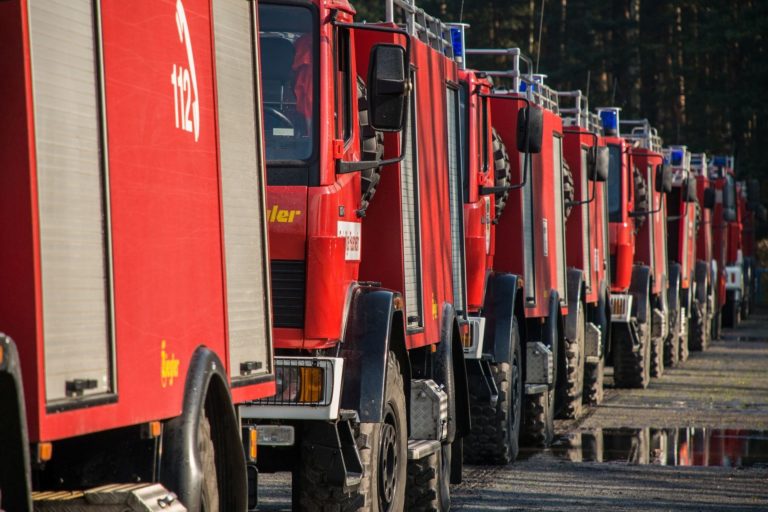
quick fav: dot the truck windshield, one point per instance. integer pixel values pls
(289, 67)
(614, 184)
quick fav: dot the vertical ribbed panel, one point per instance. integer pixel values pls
(528, 237)
(409, 204)
(456, 202)
(651, 220)
(242, 187)
(557, 158)
(73, 249)
(586, 189)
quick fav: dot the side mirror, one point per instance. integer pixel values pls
(663, 182)
(709, 198)
(729, 215)
(530, 122)
(388, 85)
(599, 160)
(690, 190)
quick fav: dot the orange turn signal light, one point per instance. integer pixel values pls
(44, 452)
(253, 442)
(311, 384)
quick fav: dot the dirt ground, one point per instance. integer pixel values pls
(725, 387)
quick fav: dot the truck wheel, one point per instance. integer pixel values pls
(573, 389)
(386, 458)
(371, 148)
(593, 382)
(569, 189)
(423, 486)
(641, 198)
(383, 453)
(502, 171)
(683, 344)
(698, 337)
(539, 426)
(657, 357)
(632, 369)
(209, 497)
(495, 432)
(673, 341)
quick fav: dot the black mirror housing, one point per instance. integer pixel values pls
(709, 198)
(530, 129)
(598, 163)
(388, 87)
(729, 214)
(663, 182)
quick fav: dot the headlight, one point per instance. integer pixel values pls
(300, 381)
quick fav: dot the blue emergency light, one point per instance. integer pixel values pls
(676, 159)
(610, 118)
(458, 47)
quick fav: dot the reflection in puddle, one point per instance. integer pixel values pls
(666, 447)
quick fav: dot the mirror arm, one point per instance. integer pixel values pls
(486, 191)
(586, 201)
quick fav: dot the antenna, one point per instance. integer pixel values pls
(538, 45)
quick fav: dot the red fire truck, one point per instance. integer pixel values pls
(362, 143)
(683, 214)
(530, 242)
(749, 206)
(587, 232)
(705, 272)
(636, 212)
(492, 346)
(727, 241)
(136, 304)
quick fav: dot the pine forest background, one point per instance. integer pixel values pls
(697, 70)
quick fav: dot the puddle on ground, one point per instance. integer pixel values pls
(736, 337)
(665, 447)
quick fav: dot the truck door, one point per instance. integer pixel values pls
(242, 190)
(73, 201)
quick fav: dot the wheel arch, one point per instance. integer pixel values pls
(15, 468)
(206, 389)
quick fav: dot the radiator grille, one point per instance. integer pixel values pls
(288, 293)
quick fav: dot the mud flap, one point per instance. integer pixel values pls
(334, 445)
(481, 382)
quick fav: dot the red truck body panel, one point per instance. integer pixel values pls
(546, 262)
(166, 227)
(585, 228)
(651, 240)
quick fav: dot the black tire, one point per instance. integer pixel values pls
(445, 377)
(495, 436)
(502, 170)
(423, 493)
(210, 501)
(698, 332)
(593, 382)
(641, 198)
(371, 148)
(683, 344)
(539, 419)
(657, 357)
(377, 443)
(569, 190)
(632, 369)
(673, 341)
(571, 393)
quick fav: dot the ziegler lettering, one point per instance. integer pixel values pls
(275, 214)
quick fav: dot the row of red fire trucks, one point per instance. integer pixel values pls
(241, 232)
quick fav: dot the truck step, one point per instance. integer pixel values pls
(420, 448)
(134, 497)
